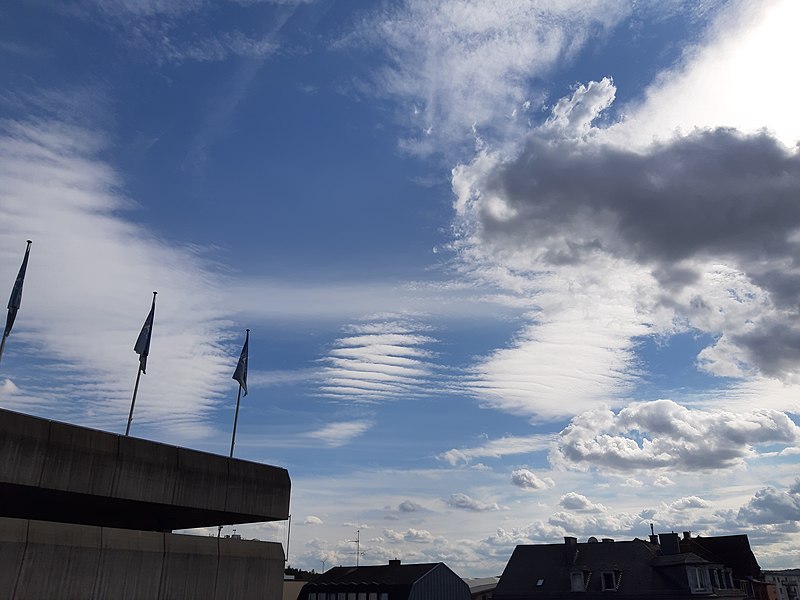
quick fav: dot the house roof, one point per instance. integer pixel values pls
(391, 574)
(732, 550)
(545, 570)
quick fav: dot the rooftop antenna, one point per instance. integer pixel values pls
(357, 542)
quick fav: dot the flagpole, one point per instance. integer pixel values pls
(16, 298)
(240, 376)
(2, 346)
(236, 418)
(142, 348)
(133, 401)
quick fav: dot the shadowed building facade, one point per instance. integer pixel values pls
(90, 514)
(395, 581)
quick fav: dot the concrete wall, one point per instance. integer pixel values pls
(57, 560)
(60, 472)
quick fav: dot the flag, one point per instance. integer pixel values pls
(240, 374)
(16, 293)
(142, 347)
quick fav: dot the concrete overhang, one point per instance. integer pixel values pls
(54, 471)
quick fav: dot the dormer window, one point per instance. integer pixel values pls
(698, 579)
(577, 580)
(609, 581)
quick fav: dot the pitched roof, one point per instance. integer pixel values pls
(392, 574)
(732, 550)
(545, 570)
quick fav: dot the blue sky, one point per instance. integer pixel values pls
(513, 271)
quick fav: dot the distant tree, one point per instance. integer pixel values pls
(300, 574)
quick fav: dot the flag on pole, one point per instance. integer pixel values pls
(142, 347)
(16, 294)
(240, 374)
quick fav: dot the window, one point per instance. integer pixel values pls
(342, 596)
(351, 596)
(362, 595)
(312, 596)
(697, 578)
(577, 582)
(373, 596)
(608, 580)
(384, 596)
(539, 582)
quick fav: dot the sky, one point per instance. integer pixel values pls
(513, 270)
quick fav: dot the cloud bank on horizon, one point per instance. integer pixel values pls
(589, 221)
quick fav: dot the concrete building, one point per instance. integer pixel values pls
(90, 514)
(395, 581)
(786, 582)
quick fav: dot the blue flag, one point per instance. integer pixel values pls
(142, 347)
(16, 294)
(240, 374)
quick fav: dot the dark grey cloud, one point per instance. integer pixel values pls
(409, 506)
(465, 502)
(712, 193)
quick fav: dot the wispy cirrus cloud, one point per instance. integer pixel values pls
(60, 194)
(506, 446)
(340, 433)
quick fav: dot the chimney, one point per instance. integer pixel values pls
(570, 541)
(653, 538)
(669, 543)
(687, 535)
(394, 562)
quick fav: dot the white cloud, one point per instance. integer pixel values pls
(664, 435)
(498, 448)
(339, 434)
(312, 520)
(737, 78)
(528, 480)
(392, 361)
(579, 502)
(459, 66)
(101, 269)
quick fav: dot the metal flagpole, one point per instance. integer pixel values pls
(133, 401)
(16, 298)
(142, 348)
(236, 418)
(240, 376)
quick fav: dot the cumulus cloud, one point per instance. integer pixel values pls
(408, 506)
(579, 502)
(463, 501)
(663, 434)
(528, 480)
(772, 506)
(312, 520)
